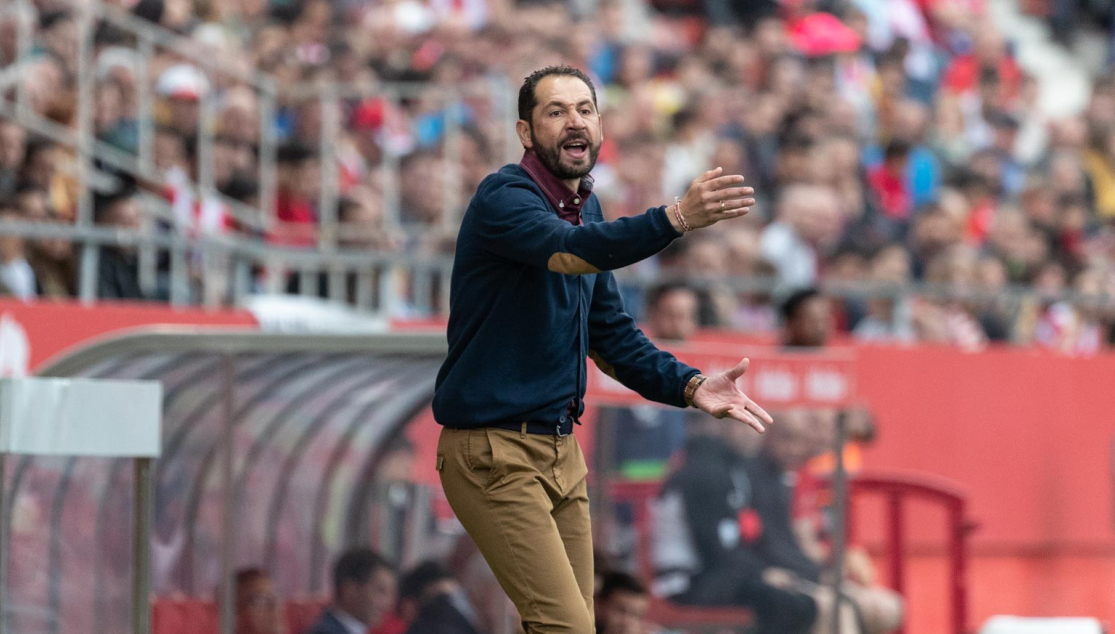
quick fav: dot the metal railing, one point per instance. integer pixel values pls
(96, 159)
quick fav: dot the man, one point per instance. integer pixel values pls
(432, 601)
(118, 266)
(807, 320)
(793, 565)
(706, 529)
(624, 603)
(645, 436)
(531, 296)
(673, 313)
(258, 609)
(363, 593)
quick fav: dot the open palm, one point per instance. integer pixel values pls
(720, 397)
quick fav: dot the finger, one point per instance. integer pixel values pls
(709, 175)
(733, 193)
(729, 207)
(740, 368)
(754, 408)
(747, 418)
(722, 182)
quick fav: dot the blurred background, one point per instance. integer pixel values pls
(936, 200)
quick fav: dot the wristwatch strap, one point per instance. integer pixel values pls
(691, 387)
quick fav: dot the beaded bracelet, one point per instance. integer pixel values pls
(677, 214)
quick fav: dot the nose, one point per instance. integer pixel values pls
(576, 121)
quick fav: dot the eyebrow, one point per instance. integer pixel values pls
(562, 104)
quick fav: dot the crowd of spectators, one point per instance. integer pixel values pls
(894, 143)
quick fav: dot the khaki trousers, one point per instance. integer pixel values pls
(523, 499)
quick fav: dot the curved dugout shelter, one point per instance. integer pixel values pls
(271, 445)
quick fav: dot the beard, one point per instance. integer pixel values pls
(565, 169)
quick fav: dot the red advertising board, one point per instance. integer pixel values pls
(31, 334)
(775, 378)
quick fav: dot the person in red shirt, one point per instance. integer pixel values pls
(888, 181)
(989, 53)
(299, 180)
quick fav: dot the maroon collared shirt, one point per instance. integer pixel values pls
(567, 203)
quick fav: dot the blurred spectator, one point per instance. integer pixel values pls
(645, 436)
(13, 147)
(299, 173)
(431, 600)
(364, 590)
(422, 186)
(17, 278)
(672, 314)
(118, 273)
(888, 318)
(788, 563)
(889, 184)
(705, 528)
(951, 319)
(792, 243)
(258, 607)
(622, 606)
(806, 319)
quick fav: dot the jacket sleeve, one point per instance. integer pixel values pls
(513, 221)
(618, 346)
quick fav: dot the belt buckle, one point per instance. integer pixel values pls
(561, 423)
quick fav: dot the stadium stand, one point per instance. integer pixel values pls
(904, 155)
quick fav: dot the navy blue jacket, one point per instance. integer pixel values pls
(531, 295)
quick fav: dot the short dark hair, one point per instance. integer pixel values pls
(793, 304)
(897, 148)
(527, 98)
(357, 565)
(246, 576)
(240, 580)
(620, 582)
(662, 290)
(415, 582)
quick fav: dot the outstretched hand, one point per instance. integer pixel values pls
(720, 397)
(712, 198)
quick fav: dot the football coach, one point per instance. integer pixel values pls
(532, 297)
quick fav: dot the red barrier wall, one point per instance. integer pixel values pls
(31, 334)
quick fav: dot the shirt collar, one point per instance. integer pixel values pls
(350, 622)
(556, 191)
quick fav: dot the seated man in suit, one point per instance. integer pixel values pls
(431, 600)
(364, 589)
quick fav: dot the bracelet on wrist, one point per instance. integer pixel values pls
(685, 228)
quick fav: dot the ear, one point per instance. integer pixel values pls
(522, 128)
(600, 120)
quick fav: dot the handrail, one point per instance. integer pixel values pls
(897, 487)
(179, 44)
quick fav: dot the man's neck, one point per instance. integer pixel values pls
(574, 184)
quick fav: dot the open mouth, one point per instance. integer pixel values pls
(577, 148)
